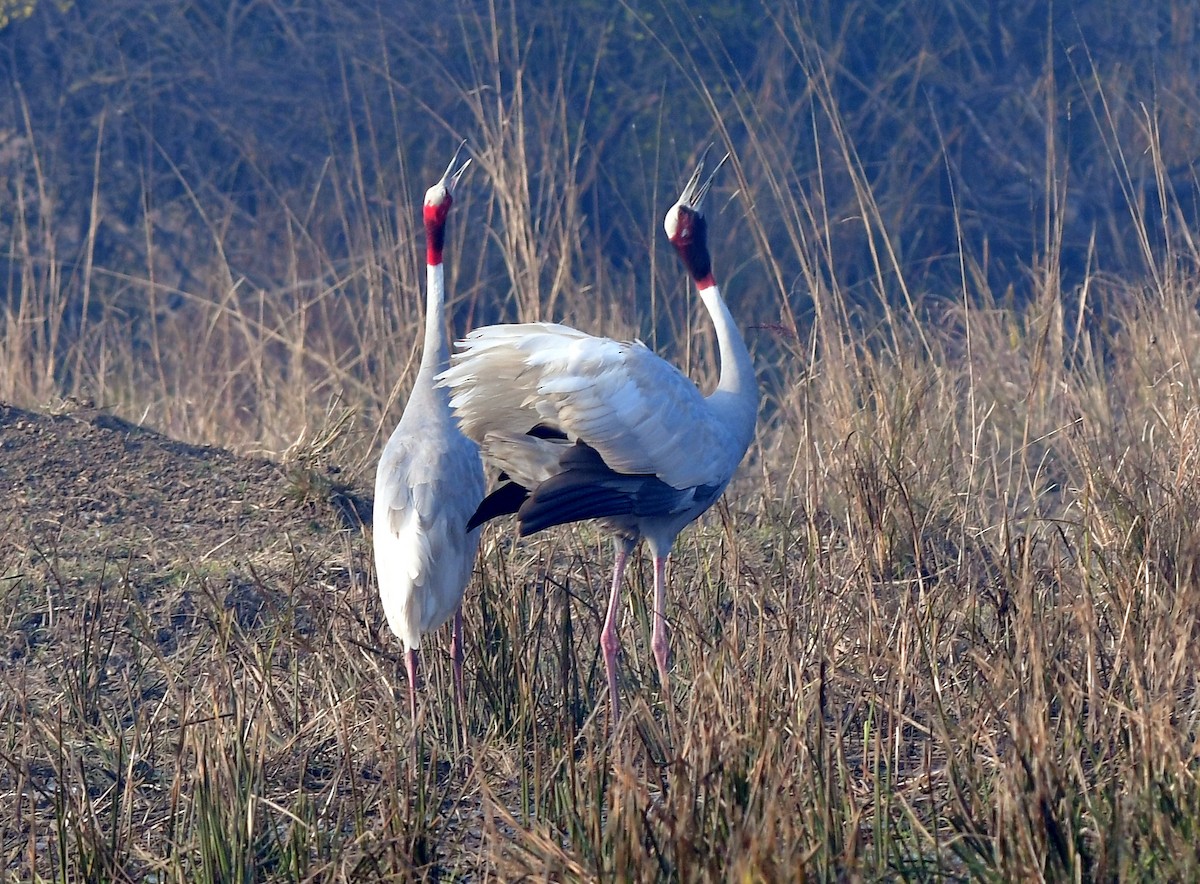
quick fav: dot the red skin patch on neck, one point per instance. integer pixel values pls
(435, 231)
(705, 282)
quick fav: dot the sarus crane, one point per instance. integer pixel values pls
(586, 427)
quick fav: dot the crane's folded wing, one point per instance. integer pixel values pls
(643, 415)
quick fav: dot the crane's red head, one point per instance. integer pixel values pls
(688, 231)
(438, 200)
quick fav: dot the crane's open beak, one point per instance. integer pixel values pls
(694, 192)
(450, 179)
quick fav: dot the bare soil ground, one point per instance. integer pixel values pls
(196, 681)
(88, 494)
(151, 593)
(87, 484)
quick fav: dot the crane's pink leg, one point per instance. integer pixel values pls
(610, 643)
(410, 663)
(659, 641)
(456, 657)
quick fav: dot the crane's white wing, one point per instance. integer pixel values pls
(638, 411)
(428, 484)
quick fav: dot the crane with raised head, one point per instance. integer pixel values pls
(586, 427)
(429, 481)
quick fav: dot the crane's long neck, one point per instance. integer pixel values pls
(436, 353)
(737, 389)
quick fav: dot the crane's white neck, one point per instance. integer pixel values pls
(436, 353)
(737, 389)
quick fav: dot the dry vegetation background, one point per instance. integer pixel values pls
(942, 626)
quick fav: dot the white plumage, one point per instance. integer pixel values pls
(585, 427)
(429, 482)
(642, 414)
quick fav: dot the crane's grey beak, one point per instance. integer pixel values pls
(450, 179)
(694, 192)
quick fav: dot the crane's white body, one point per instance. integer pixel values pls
(639, 412)
(428, 483)
(589, 427)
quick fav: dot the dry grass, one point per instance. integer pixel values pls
(942, 626)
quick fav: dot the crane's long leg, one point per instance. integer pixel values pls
(610, 642)
(456, 657)
(410, 663)
(659, 641)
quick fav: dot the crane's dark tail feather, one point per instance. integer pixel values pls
(544, 431)
(575, 502)
(504, 499)
(507, 497)
(587, 488)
